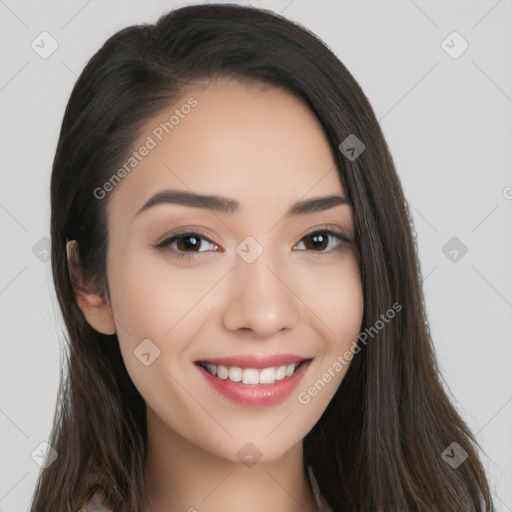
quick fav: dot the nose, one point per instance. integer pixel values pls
(261, 298)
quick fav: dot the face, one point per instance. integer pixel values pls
(205, 294)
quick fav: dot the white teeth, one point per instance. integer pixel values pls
(251, 375)
(235, 374)
(222, 372)
(267, 376)
(281, 373)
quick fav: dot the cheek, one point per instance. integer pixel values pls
(334, 295)
(153, 300)
(336, 299)
(158, 312)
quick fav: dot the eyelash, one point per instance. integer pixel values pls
(341, 237)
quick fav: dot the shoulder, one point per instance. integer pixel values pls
(96, 503)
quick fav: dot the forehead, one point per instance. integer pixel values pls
(252, 142)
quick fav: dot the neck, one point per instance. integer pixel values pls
(180, 476)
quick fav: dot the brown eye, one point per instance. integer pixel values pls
(185, 244)
(319, 241)
(326, 241)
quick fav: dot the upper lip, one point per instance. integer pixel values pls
(256, 361)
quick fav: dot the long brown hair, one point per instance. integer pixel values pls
(379, 444)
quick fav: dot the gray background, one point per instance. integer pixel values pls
(448, 124)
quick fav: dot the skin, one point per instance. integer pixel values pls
(262, 147)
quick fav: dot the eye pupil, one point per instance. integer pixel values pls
(319, 238)
(194, 244)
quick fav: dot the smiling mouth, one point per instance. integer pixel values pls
(252, 376)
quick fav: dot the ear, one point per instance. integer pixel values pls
(89, 297)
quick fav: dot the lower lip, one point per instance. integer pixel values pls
(260, 395)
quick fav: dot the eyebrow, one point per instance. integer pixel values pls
(230, 206)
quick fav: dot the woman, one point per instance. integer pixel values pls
(287, 363)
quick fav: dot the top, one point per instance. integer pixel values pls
(96, 503)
